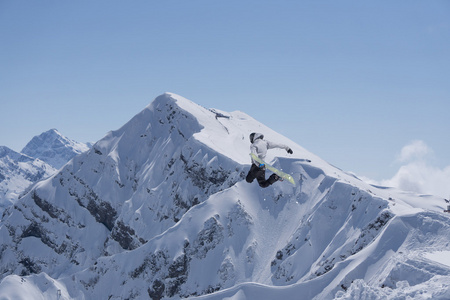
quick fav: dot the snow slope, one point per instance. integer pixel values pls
(17, 173)
(160, 209)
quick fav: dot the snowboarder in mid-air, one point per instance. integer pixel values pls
(259, 147)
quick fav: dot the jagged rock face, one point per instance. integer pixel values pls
(171, 266)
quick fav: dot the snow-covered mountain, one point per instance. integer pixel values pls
(17, 173)
(54, 148)
(40, 158)
(160, 209)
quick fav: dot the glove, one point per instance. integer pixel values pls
(289, 150)
(261, 165)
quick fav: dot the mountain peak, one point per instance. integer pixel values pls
(53, 148)
(6, 151)
(217, 129)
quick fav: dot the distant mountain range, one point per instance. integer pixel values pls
(54, 148)
(40, 158)
(160, 209)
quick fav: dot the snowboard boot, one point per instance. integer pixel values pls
(278, 178)
(274, 178)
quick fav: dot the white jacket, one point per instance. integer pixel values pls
(260, 147)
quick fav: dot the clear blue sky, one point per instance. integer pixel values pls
(351, 81)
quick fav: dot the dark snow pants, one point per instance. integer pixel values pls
(260, 175)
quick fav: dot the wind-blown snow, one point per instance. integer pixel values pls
(160, 209)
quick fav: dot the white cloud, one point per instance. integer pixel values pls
(416, 150)
(417, 172)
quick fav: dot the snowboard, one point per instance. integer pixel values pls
(273, 169)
